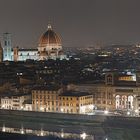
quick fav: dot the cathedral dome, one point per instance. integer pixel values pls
(49, 38)
(49, 45)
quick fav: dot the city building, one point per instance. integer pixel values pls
(45, 98)
(14, 102)
(27, 105)
(7, 48)
(55, 99)
(50, 47)
(76, 102)
(6, 103)
(121, 78)
(106, 97)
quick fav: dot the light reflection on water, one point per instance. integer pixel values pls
(68, 132)
(42, 133)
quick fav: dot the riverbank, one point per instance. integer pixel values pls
(70, 119)
(71, 125)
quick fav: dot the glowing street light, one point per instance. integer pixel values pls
(62, 135)
(21, 108)
(62, 110)
(128, 113)
(83, 136)
(106, 112)
(3, 128)
(22, 131)
(42, 133)
(3, 106)
(136, 111)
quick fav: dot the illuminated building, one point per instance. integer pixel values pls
(76, 102)
(120, 92)
(27, 105)
(19, 54)
(46, 98)
(7, 49)
(53, 99)
(50, 47)
(14, 102)
(112, 97)
(122, 78)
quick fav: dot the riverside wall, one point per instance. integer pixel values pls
(104, 120)
(53, 115)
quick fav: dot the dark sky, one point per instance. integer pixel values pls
(79, 22)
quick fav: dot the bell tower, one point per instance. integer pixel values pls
(7, 46)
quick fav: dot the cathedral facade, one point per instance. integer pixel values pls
(49, 47)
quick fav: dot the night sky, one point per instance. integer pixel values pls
(81, 23)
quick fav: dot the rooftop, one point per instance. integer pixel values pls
(75, 93)
(47, 87)
(9, 95)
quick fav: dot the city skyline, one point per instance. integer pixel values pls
(79, 23)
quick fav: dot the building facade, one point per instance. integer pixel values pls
(46, 98)
(49, 47)
(54, 99)
(14, 102)
(76, 102)
(106, 97)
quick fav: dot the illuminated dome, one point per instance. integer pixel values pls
(49, 38)
(49, 44)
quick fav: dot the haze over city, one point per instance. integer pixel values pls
(69, 70)
(80, 23)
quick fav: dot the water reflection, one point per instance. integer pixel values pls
(68, 132)
(41, 132)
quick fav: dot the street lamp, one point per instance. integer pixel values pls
(42, 133)
(3, 128)
(136, 111)
(106, 112)
(128, 113)
(21, 108)
(83, 136)
(62, 109)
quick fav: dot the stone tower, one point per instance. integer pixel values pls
(7, 47)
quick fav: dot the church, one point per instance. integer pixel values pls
(49, 47)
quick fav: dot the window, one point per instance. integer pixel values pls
(9, 43)
(5, 43)
(104, 102)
